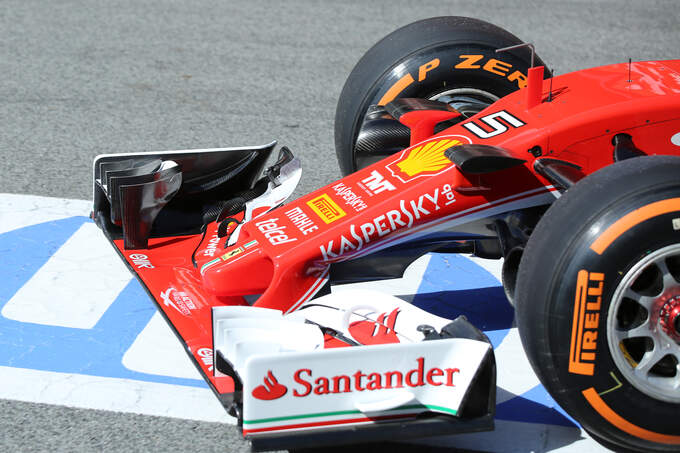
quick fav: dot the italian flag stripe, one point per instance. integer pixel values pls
(348, 412)
(325, 423)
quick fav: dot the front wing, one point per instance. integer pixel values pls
(312, 377)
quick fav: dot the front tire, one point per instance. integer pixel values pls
(451, 59)
(598, 303)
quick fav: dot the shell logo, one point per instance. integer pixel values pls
(425, 159)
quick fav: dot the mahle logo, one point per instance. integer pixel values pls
(327, 209)
(426, 159)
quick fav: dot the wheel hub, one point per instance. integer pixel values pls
(669, 318)
(643, 325)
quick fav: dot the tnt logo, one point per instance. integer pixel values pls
(271, 389)
(377, 183)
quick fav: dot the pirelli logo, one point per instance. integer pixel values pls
(327, 209)
(587, 303)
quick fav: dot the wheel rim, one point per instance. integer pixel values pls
(468, 101)
(643, 325)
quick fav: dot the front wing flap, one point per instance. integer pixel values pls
(353, 362)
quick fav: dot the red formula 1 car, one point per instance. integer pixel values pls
(453, 137)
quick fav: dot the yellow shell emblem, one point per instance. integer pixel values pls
(427, 158)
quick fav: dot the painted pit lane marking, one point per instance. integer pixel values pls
(37, 358)
(77, 296)
(130, 361)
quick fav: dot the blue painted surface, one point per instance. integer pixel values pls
(452, 286)
(534, 406)
(96, 352)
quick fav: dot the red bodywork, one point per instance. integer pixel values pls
(284, 254)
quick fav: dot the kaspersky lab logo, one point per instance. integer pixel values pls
(271, 389)
(426, 159)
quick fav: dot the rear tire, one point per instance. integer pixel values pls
(598, 303)
(445, 58)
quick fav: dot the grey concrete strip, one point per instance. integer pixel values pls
(26, 427)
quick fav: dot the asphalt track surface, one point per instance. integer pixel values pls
(82, 78)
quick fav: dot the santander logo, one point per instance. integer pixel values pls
(271, 389)
(307, 383)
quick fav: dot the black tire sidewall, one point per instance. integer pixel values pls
(558, 249)
(405, 51)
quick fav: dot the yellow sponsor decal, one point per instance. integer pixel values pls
(586, 320)
(231, 253)
(425, 159)
(227, 256)
(327, 209)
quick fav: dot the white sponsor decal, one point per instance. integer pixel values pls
(350, 198)
(301, 221)
(404, 217)
(276, 234)
(206, 355)
(447, 191)
(675, 139)
(178, 300)
(376, 183)
(141, 261)
(211, 248)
